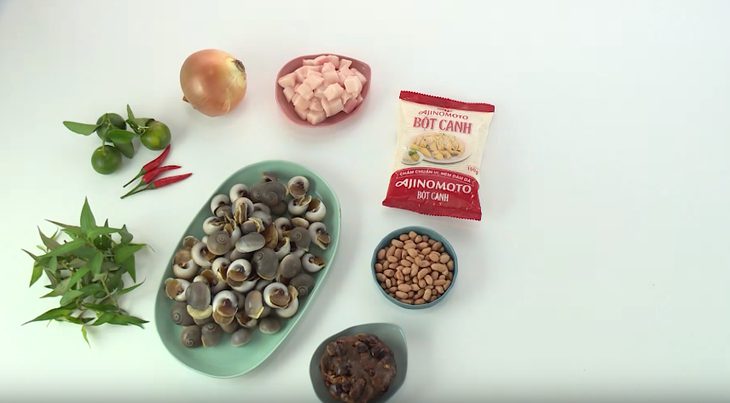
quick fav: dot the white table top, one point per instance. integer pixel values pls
(601, 268)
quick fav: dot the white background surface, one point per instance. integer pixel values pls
(601, 268)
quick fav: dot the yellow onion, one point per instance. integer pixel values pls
(213, 81)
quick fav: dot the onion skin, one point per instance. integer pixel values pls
(213, 81)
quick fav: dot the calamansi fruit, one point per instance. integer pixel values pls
(156, 136)
(106, 159)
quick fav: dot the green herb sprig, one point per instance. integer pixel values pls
(86, 266)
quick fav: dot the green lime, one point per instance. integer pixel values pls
(156, 136)
(106, 159)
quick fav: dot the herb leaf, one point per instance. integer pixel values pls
(80, 128)
(87, 217)
(124, 252)
(120, 136)
(52, 314)
(37, 273)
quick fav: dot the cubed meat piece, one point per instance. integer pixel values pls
(334, 60)
(359, 75)
(328, 67)
(288, 80)
(353, 85)
(313, 81)
(289, 93)
(332, 107)
(302, 72)
(308, 62)
(301, 103)
(345, 64)
(319, 92)
(351, 104)
(320, 60)
(315, 117)
(331, 77)
(333, 91)
(315, 104)
(302, 113)
(305, 91)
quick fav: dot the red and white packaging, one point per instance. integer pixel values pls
(438, 156)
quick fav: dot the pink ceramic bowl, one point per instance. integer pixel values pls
(288, 108)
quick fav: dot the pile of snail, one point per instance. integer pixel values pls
(254, 264)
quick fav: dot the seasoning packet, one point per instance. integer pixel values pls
(438, 156)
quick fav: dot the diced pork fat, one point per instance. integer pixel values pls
(312, 80)
(308, 62)
(353, 85)
(359, 75)
(305, 91)
(328, 67)
(351, 104)
(288, 80)
(301, 103)
(289, 93)
(302, 113)
(345, 64)
(315, 117)
(330, 77)
(315, 105)
(332, 107)
(333, 91)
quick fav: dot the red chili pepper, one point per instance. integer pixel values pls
(152, 165)
(151, 175)
(158, 183)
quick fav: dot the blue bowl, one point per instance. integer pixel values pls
(421, 231)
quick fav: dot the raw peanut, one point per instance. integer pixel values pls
(440, 267)
(378, 267)
(401, 294)
(425, 237)
(406, 278)
(398, 253)
(422, 273)
(380, 277)
(392, 265)
(431, 242)
(399, 275)
(411, 293)
(418, 239)
(438, 246)
(419, 301)
(409, 244)
(414, 268)
(412, 253)
(414, 280)
(422, 283)
(423, 245)
(428, 279)
(427, 294)
(430, 287)
(447, 284)
(412, 234)
(415, 287)
(389, 272)
(392, 290)
(390, 251)
(444, 258)
(439, 282)
(435, 274)
(405, 263)
(426, 250)
(383, 286)
(450, 265)
(388, 283)
(381, 254)
(441, 277)
(403, 237)
(425, 263)
(397, 243)
(433, 297)
(450, 275)
(404, 288)
(434, 256)
(407, 301)
(440, 289)
(406, 270)
(392, 259)
(417, 260)
(419, 293)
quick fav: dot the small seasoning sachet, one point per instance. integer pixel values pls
(438, 156)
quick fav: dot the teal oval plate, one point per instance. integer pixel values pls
(225, 360)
